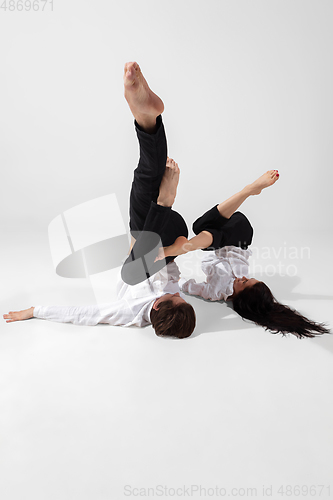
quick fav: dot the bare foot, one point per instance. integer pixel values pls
(267, 179)
(177, 248)
(144, 104)
(19, 315)
(169, 183)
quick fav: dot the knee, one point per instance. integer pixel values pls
(196, 227)
(244, 228)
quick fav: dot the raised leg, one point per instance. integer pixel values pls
(229, 206)
(144, 104)
(167, 189)
(146, 108)
(208, 227)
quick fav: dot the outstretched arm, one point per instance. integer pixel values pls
(79, 315)
(115, 313)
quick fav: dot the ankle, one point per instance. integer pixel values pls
(164, 202)
(147, 123)
(248, 190)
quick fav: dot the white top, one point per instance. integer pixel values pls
(132, 307)
(221, 267)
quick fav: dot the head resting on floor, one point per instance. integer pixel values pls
(172, 316)
(258, 304)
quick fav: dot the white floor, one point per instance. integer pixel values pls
(106, 413)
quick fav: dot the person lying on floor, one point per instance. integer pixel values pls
(154, 298)
(225, 235)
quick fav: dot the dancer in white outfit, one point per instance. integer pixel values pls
(158, 300)
(227, 232)
(226, 235)
(133, 306)
(222, 267)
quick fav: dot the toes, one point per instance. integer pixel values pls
(127, 67)
(130, 73)
(131, 70)
(171, 163)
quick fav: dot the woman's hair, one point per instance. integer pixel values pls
(258, 304)
(173, 320)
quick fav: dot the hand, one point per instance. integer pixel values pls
(19, 315)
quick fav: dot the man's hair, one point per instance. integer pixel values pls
(173, 320)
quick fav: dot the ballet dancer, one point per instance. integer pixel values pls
(157, 299)
(228, 234)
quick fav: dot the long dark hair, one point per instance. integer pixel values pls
(258, 304)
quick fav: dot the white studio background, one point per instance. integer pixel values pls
(247, 86)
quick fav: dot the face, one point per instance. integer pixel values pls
(242, 283)
(174, 297)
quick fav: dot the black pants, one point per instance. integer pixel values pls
(150, 223)
(236, 231)
(145, 214)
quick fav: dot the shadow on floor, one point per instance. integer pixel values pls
(216, 316)
(283, 287)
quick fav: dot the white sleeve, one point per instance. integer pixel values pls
(82, 315)
(203, 290)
